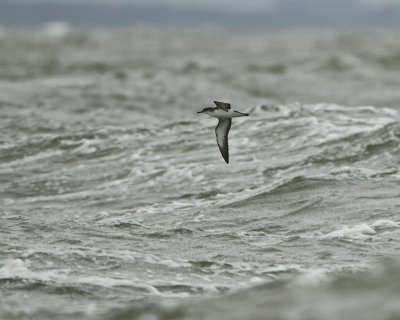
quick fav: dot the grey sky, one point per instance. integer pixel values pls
(218, 4)
(230, 13)
(249, 5)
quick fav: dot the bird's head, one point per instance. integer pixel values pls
(205, 110)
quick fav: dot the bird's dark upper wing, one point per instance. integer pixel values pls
(222, 130)
(223, 105)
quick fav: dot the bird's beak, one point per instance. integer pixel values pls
(199, 111)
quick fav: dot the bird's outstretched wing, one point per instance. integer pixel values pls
(221, 131)
(223, 105)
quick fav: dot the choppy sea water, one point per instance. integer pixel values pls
(116, 203)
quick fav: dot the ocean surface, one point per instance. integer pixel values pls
(115, 202)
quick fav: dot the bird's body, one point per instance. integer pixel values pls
(224, 113)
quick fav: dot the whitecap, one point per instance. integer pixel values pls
(357, 232)
(383, 224)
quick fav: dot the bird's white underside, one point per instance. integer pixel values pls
(222, 133)
(222, 114)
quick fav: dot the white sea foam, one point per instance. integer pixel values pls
(312, 277)
(383, 224)
(86, 147)
(13, 268)
(361, 231)
(357, 232)
(20, 269)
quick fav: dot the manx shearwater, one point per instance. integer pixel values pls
(224, 113)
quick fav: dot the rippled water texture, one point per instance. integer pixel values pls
(116, 203)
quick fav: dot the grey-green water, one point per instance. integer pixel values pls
(116, 204)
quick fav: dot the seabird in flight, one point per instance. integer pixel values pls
(224, 113)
